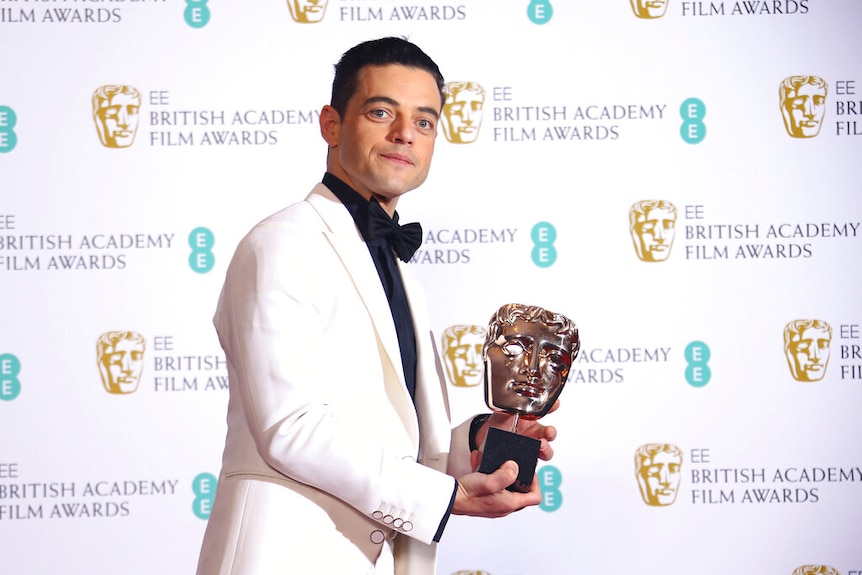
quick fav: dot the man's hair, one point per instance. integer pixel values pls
(791, 85)
(508, 313)
(381, 52)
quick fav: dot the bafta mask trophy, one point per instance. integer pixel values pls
(528, 353)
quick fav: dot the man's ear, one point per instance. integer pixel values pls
(330, 126)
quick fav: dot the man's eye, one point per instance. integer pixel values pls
(378, 113)
(425, 124)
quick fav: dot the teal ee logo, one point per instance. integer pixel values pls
(10, 385)
(549, 481)
(197, 13)
(540, 11)
(201, 259)
(697, 372)
(8, 137)
(544, 253)
(692, 130)
(204, 488)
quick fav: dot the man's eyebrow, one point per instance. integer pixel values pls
(393, 102)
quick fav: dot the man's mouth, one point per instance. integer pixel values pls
(399, 158)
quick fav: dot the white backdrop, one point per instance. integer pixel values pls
(582, 117)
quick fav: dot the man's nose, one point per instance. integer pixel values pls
(402, 131)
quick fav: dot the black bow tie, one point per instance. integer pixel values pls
(405, 240)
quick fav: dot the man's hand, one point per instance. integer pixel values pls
(485, 495)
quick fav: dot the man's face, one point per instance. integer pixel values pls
(119, 120)
(649, 8)
(122, 365)
(659, 478)
(463, 358)
(803, 111)
(810, 354)
(526, 368)
(383, 145)
(654, 232)
(307, 11)
(463, 116)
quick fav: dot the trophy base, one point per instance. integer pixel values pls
(502, 446)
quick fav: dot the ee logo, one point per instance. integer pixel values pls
(10, 385)
(544, 253)
(197, 13)
(204, 488)
(693, 130)
(201, 259)
(549, 481)
(697, 355)
(540, 11)
(8, 137)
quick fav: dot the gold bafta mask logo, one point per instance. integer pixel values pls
(307, 11)
(803, 103)
(116, 111)
(816, 570)
(658, 467)
(649, 9)
(807, 344)
(120, 356)
(652, 224)
(462, 354)
(462, 111)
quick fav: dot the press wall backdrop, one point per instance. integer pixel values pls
(681, 178)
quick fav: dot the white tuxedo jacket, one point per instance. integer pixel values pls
(328, 466)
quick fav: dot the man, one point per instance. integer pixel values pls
(652, 224)
(803, 103)
(658, 467)
(339, 456)
(462, 354)
(807, 346)
(120, 355)
(462, 111)
(116, 112)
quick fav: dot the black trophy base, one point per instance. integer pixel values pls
(502, 446)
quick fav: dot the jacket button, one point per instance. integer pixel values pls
(377, 537)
